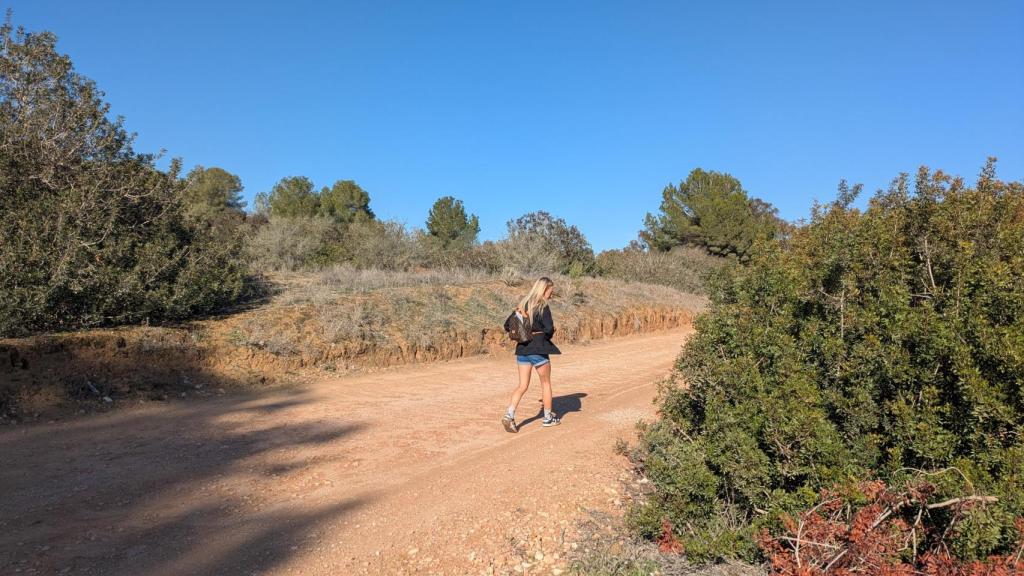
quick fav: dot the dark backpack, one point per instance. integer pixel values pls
(518, 327)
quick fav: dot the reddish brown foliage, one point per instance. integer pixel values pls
(667, 542)
(838, 537)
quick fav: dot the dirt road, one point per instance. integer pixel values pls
(404, 471)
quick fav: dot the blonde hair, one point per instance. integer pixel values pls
(534, 302)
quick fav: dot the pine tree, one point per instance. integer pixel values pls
(291, 197)
(450, 225)
(346, 202)
(711, 210)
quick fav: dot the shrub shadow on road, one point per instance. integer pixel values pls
(198, 486)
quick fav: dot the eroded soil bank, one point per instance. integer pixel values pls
(296, 338)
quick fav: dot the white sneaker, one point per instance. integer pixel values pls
(553, 421)
(509, 423)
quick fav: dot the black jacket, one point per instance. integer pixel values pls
(543, 330)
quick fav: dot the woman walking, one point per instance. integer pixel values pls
(535, 354)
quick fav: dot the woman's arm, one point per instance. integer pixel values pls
(544, 324)
(548, 323)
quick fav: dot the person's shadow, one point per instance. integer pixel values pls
(560, 405)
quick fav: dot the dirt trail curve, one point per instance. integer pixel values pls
(403, 471)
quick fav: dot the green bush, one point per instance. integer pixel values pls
(882, 343)
(91, 233)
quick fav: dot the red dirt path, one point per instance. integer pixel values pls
(402, 471)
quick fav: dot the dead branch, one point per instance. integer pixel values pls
(952, 501)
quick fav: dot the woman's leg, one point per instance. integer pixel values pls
(545, 384)
(524, 383)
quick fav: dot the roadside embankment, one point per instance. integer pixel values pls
(312, 325)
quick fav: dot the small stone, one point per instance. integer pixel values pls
(107, 399)
(413, 551)
(538, 555)
(556, 571)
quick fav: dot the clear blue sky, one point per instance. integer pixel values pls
(585, 109)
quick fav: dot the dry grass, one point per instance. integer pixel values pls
(376, 307)
(346, 279)
(605, 550)
(684, 268)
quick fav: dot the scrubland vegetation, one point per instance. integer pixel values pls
(438, 314)
(883, 345)
(94, 234)
(870, 357)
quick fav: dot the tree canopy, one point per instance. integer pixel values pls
(214, 188)
(345, 202)
(710, 210)
(91, 232)
(450, 225)
(291, 197)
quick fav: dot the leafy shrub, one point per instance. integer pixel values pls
(875, 344)
(91, 233)
(685, 268)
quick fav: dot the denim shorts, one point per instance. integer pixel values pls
(537, 360)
